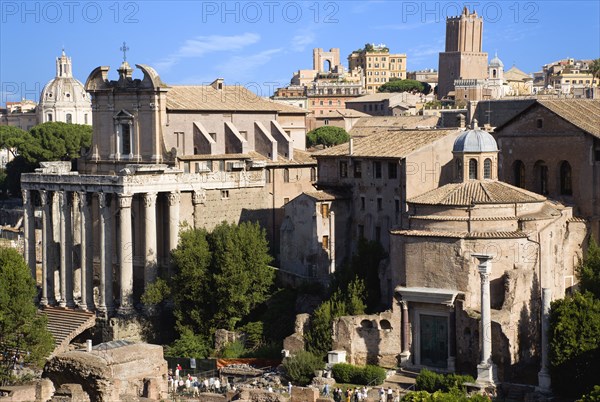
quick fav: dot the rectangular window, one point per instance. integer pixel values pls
(324, 210)
(377, 169)
(286, 175)
(325, 242)
(286, 200)
(125, 139)
(343, 169)
(224, 193)
(362, 203)
(357, 170)
(392, 170)
(397, 206)
(379, 203)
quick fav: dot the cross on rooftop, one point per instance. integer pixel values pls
(124, 49)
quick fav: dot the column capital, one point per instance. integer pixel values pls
(174, 198)
(149, 199)
(26, 196)
(199, 197)
(103, 199)
(43, 197)
(125, 200)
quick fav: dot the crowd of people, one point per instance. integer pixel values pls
(360, 394)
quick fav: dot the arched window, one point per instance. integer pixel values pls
(519, 174)
(459, 169)
(286, 175)
(487, 168)
(472, 169)
(494, 73)
(566, 187)
(313, 174)
(69, 118)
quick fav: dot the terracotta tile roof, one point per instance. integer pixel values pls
(515, 74)
(327, 195)
(300, 158)
(230, 98)
(461, 235)
(476, 192)
(374, 97)
(461, 218)
(388, 143)
(583, 113)
(397, 121)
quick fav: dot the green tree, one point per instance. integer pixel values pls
(22, 331)
(346, 301)
(575, 343)
(300, 368)
(595, 68)
(189, 344)
(589, 269)
(50, 141)
(327, 136)
(405, 86)
(242, 276)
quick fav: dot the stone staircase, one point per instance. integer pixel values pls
(66, 323)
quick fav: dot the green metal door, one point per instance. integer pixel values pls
(434, 340)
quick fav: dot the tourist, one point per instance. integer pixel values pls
(290, 388)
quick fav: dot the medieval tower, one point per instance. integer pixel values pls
(463, 58)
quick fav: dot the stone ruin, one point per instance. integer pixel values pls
(113, 371)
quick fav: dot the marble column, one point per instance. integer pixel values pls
(405, 355)
(46, 223)
(29, 232)
(106, 302)
(198, 199)
(150, 252)
(486, 369)
(67, 225)
(125, 254)
(544, 383)
(86, 252)
(174, 201)
(54, 251)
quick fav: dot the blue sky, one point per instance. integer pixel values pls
(260, 44)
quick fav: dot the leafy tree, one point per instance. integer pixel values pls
(22, 331)
(11, 138)
(327, 136)
(595, 68)
(405, 86)
(300, 368)
(575, 343)
(349, 301)
(189, 344)
(242, 276)
(589, 269)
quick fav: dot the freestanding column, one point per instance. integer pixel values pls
(486, 370)
(125, 254)
(150, 253)
(86, 252)
(405, 355)
(544, 384)
(45, 243)
(62, 201)
(29, 232)
(174, 199)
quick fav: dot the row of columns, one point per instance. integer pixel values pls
(66, 200)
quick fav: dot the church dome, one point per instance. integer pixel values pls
(475, 140)
(64, 97)
(496, 62)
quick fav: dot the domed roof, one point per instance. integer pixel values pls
(496, 62)
(64, 88)
(475, 140)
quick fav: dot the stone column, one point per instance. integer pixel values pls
(486, 370)
(62, 200)
(198, 199)
(174, 200)
(405, 355)
(106, 302)
(544, 384)
(53, 260)
(125, 254)
(150, 253)
(45, 244)
(68, 234)
(86, 252)
(29, 232)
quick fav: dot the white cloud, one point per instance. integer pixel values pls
(202, 45)
(301, 41)
(240, 67)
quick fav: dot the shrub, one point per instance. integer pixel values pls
(593, 396)
(350, 374)
(300, 368)
(432, 382)
(233, 350)
(419, 396)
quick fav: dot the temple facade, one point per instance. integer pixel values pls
(162, 159)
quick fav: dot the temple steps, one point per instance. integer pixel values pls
(66, 323)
